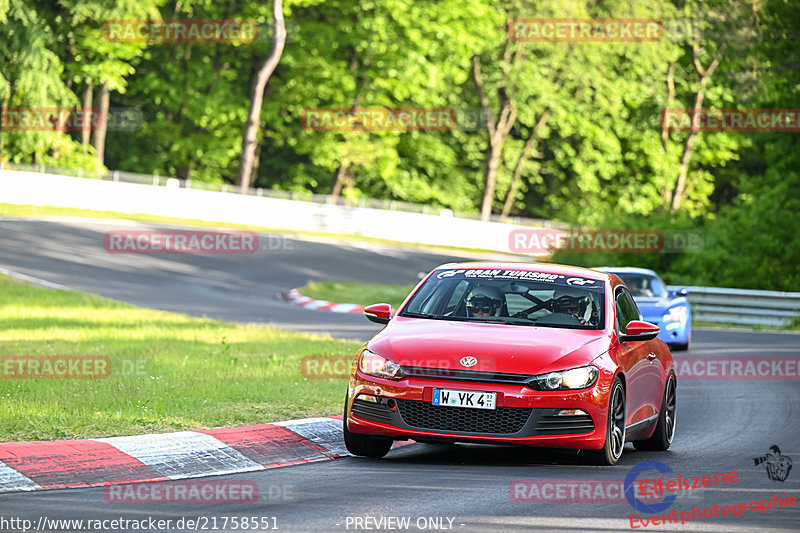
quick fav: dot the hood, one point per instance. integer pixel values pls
(497, 347)
(654, 309)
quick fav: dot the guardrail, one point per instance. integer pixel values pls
(743, 306)
(372, 203)
(171, 200)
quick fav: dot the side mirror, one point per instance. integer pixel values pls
(679, 292)
(637, 330)
(380, 313)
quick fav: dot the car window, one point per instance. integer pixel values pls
(546, 299)
(643, 285)
(456, 296)
(626, 309)
(516, 303)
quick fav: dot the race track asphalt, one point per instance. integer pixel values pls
(721, 425)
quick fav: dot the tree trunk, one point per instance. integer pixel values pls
(490, 176)
(258, 85)
(512, 191)
(666, 193)
(338, 185)
(497, 134)
(102, 121)
(688, 146)
(256, 163)
(345, 174)
(86, 127)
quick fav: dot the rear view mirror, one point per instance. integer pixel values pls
(516, 288)
(638, 330)
(379, 313)
(679, 292)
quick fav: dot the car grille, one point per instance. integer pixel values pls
(564, 425)
(371, 411)
(425, 415)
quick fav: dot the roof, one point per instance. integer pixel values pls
(549, 268)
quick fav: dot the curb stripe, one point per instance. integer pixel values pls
(11, 480)
(270, 445)
(27, 466)
(327, 432)
(74, 463)
(296, 298)
(183, 454)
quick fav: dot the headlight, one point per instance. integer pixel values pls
(676, 314)
(576, 378)
(374, 365)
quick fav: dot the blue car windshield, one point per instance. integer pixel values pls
(644, 285)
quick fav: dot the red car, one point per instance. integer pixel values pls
(524, 353)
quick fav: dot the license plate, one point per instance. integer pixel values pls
(464, 398)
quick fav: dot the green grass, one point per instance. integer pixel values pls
(792, 326)
(199, 373)
(357, 293)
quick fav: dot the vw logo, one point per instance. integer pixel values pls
(468, 361)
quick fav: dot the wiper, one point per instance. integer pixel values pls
(570, 326)
(520, 321)
(496, 319)
(422, 315)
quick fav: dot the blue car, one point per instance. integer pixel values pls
(669, 310)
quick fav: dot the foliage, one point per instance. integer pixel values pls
(600, 159)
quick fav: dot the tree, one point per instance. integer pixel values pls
(258, 84)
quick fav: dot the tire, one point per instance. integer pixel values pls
(665, 429)
(364, 445)
(611, 451)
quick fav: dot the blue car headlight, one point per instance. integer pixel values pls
(677, 314)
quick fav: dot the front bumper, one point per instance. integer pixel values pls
(673, 332)
(404, 410)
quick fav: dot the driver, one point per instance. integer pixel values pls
(571, 301)
(483, 301)
(635, 286)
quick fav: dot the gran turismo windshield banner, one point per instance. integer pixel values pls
(519, 275)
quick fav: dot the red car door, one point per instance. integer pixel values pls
(641, 369)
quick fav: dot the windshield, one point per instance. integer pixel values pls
(644, 285)
(517, 297)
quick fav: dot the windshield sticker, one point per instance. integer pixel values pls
(521, 275)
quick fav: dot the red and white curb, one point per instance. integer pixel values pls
(28, 466)
(296, 298)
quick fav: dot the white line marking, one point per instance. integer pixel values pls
(35, 281)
